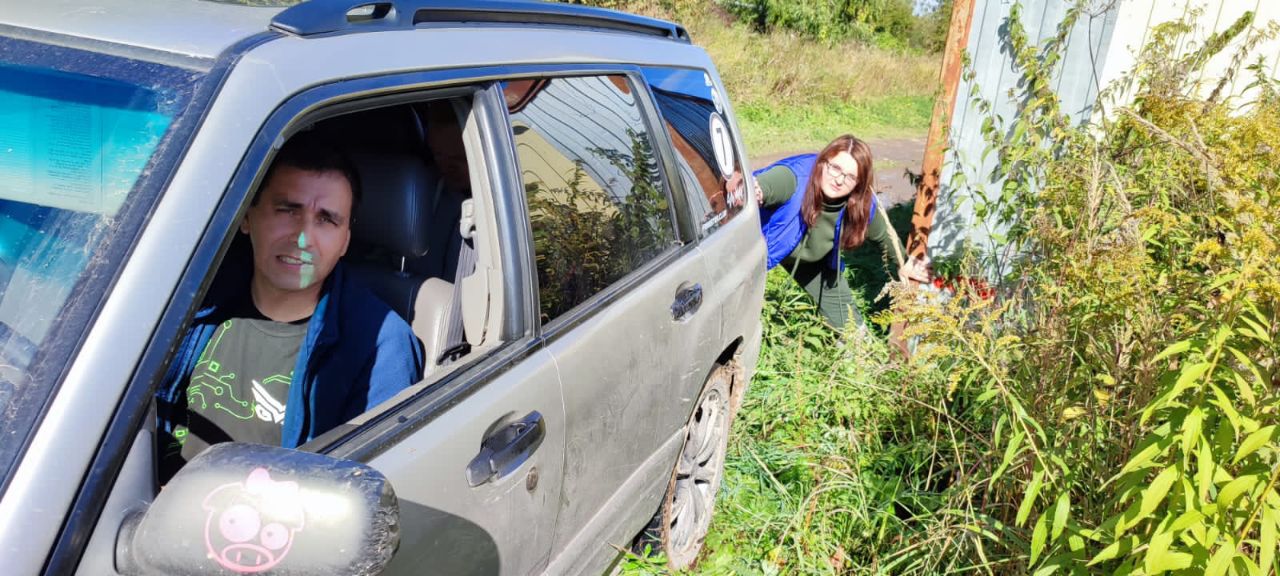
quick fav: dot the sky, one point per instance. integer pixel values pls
(925, 6)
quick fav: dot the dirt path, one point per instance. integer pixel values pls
(892, 157)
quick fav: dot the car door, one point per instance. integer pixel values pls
(475, 456)
(619, 295)
(453, 520)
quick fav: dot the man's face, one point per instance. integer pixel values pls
(299, 228)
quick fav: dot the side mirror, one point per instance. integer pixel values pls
(247, 508)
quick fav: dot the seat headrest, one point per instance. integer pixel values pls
(399, 193)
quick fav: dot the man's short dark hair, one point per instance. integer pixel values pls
(309, 152)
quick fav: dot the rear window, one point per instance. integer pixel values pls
(79, 132)
(694, 115)
(597, 205)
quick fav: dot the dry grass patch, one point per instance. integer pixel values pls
(785, 69)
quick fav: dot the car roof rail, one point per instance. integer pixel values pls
(337, 16)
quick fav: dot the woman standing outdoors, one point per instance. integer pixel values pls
(816, 205)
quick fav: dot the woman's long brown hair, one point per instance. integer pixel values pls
(858, 205)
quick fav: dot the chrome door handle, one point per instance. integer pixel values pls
(688, 300)
(506, 449)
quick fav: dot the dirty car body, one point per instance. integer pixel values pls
(611, 278)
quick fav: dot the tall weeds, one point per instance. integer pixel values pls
(1127, 380)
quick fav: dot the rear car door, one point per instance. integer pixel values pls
(619, 292)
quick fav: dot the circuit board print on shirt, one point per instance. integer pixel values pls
(239, 388)
(213, 387)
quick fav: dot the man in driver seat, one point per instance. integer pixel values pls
(289, 349)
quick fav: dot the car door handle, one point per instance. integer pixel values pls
(503, 451)
(688, 300)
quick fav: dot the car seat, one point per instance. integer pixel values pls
(394, 230)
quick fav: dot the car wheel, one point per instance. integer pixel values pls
(681, 523)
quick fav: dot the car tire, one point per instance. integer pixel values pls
(681, 523)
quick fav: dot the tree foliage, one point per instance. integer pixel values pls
(889, 23)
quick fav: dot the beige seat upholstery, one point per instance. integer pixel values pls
(431, 321)
(397, 228)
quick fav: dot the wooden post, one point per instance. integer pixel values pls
(943, 108)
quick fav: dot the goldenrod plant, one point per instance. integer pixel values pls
(1113, 409)
(1127, 377)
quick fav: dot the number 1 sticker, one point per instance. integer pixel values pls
(722, 145)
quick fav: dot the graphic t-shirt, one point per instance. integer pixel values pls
(238, 389)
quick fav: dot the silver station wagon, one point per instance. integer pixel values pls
(549, 198)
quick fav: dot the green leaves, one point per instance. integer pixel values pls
(1188, 377)
(1220, 561)
(1010, 452)
(1038, 539)
(1174, 349)
(1267, 536)
(1235, 489)
(1154, 495)
(1029, 499)
(1191, 426)
(1061, 511)
(1257, 440)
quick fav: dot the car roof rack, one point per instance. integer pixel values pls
(337, 16)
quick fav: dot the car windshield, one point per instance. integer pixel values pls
(81, 135)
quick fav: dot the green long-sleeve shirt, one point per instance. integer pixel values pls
(779, 183)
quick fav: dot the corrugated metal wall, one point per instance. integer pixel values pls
(1140, 16)
(1101, 48)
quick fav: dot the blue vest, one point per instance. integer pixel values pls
(784, 228)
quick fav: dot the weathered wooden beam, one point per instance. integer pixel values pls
(943, 108)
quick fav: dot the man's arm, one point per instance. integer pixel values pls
(396, 364)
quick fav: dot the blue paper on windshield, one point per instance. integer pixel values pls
(75, 143)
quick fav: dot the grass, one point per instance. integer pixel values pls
(814, 481)
(769, 129)
(796, 94)
(792, 93)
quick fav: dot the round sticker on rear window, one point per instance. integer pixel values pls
(722, 145)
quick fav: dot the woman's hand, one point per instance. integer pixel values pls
(734, 182)
(733, 193)
(916, 269)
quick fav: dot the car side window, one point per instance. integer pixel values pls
(693, 113)
(597, 205)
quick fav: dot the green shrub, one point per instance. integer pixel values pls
(886, 23)
(1127, 380)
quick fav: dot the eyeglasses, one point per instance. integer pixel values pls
(837, 175)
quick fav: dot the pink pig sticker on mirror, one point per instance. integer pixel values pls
(250, 525)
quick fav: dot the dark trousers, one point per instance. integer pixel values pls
(829, 290)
